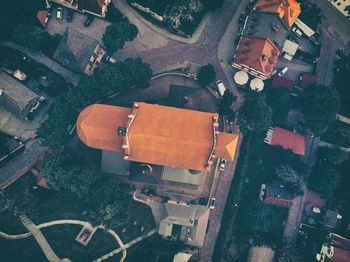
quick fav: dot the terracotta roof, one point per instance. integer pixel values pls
(93, 6)
(308, 79)
(280, 81)
(41, 15)
(157, 134)
(97, 126)
(288, 10)
(275, 201)
(258, 53)
(341, 247)
(289, 140)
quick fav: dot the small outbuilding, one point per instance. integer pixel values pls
(261, 254)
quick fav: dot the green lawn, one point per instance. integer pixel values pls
(44, 206)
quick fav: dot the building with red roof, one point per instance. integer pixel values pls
(43, 17)
(257, 56)
(280, 81)
(337, 249)
(276, 194)
(286, 139)
(307, 79)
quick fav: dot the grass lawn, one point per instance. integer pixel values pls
(42, 205)
(240, 227)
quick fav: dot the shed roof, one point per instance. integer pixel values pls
(290, 47)
(18, 93)
(308, 79)
(280, 81)
(266, 25)
(258, 53)
(93, 6)
(42, 15)
(288, 10)
(289, 140)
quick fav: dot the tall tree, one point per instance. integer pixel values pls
(212, 5)
(206, 75)
(290, 179)
(279, 101)
(254, 116)
(116, 35)
(321, 103)
(61, 174)
(29, 36)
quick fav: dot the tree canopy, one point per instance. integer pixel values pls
(254, 116)
(321, 103)
(61, 173)
(117, 34)
(212, 5)
(206, 75)
(341, 81)
(279, 101)
(29, 36)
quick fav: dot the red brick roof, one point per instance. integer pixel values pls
(341, 247)
(308, 79)
(280, 81)
(289, 140)
(275, 201)
(257, 53)
(41, 15)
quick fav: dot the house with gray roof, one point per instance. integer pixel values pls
(79, 52)
(15, 96)
(266, 25)
(182, 222)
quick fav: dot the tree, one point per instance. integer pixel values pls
(61, 174)
(290, 179)
(225, 105)
(114, 15)
(117, 34)
(341, 76)
(321, 103)
(279, 101)
(29, 36)
(110, 200)
(334, 155)
(254, 116)
(212, 5)
(137, 73)
(206, 75)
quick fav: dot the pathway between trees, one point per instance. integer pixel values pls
(70, 77)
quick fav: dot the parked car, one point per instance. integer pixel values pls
(222, 165)
(297, 31)
(283, 71)
(59, 13)
(88, 21)
(111, 60)
(35, 108)
(221, 88)
(20, 75)
(69, 16)
(212, 203)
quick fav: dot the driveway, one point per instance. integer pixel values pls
(95, 30)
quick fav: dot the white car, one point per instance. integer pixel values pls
(221, 88)
(212, 203)
(111, 60)
(222, 165)
(20, 75)
(297, 31)
(283, 71)
(59, 13)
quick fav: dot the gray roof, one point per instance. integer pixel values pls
(75, 50)
(193, 220)
(277, 190)
(181, 175)
(114, 163)
(15, 92)
(266, 25)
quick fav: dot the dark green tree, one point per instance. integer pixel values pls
(290, 179)
(114, 15)
(254, 116)
(61, 173)
(29, 36)
(321, 103)
(206, 75)
(212, 5)
(341, 76)
(116, 35)
(279, 101)
(334, 155)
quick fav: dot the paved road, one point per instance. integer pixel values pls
(70, 77)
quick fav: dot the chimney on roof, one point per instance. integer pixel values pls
(121, 131)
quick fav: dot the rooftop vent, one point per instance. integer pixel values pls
(263, 57)
(121, 131)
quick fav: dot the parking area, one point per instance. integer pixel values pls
(58, 26)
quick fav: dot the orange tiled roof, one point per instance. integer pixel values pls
(97, 126)
(288, 10)
(258, 53)
(157, 134)
(289, 140)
